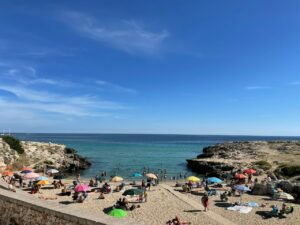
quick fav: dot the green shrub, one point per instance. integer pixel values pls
(287, 171)
(13, 143)
(48, 162)
(70, 150)
(264, 165)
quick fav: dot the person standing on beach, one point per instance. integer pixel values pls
(204, 201)
(145, 196)
(20, 181)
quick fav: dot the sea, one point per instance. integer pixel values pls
(125, 154)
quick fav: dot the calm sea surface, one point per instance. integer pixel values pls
(124, 154)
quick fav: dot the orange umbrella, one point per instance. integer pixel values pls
(240, 176)
(7, 173)
(250, 171)
(26, 168)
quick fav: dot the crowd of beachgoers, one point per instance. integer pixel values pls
(150, 199)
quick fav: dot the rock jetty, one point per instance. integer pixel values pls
(262, 155)
(40, 155)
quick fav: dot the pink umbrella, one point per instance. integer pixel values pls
(81, 188)
(31, 175)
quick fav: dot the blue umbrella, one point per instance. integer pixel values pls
(41, 178)
(26, 171)
(137, 175)
(214, 180)
(242, 188)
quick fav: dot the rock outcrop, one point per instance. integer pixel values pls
(41, 155)
(235, 155)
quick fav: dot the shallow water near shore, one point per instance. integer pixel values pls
(124, 154)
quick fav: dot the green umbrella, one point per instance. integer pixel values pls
(133, 192)
(118, 213)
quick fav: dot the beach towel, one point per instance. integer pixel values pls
(252, 204)
(240, 209)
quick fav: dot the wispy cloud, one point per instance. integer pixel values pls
(39, 101)
(26, 75)
(114, 87)
(250, 88)
(128, 36)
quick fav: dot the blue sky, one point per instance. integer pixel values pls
(187, 67)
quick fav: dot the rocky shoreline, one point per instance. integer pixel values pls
(261, 155)
(41, 156)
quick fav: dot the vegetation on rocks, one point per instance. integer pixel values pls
(70, 150)
(264, 165)
(287, 171)
(14, 143)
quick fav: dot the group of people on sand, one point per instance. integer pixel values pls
(177, 221)
(124, 204)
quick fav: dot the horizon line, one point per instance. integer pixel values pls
(174, 134)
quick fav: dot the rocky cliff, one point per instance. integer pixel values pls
(40, 155)
(258, 154)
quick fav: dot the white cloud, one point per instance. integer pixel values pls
(257, 87)
(59, 100)
(114, 87)
(128, 36)
(26, 75)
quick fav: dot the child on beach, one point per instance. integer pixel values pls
(204, 201)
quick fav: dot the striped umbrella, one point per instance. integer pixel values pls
(43, 182)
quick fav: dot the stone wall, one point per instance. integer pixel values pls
(20, 208)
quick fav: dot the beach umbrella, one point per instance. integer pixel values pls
(116, 179)
(193, 179)
(26, 168)
(7, 173)
(31, 175)
(214, 180)
(137, 175)
(118, 213)
(151, 175)
(240, 176)
(133, 192)
(249, 171)
(242, 188)
(52, 171)
(81, 188)
(41, 178)
(43, 182)
(26, 171)
(284, 195)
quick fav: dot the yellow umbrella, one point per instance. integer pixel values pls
(43, 182)
(151, 175)
(193, 179)
(116, 179)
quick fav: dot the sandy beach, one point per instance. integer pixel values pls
(165, 202)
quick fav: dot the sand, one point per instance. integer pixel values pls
(164, 203)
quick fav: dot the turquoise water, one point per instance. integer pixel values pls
(124, 154)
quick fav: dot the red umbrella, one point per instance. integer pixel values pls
(240, 176)
(250, 171)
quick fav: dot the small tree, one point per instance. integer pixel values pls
(13, 143)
